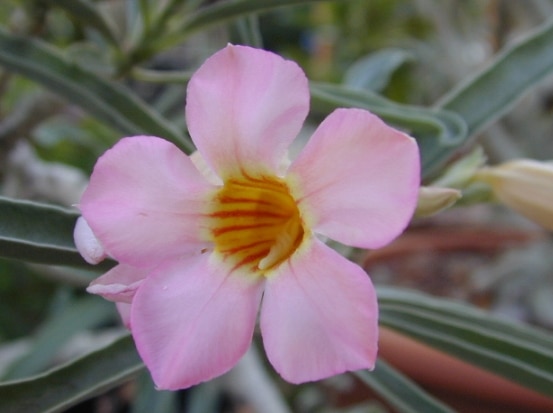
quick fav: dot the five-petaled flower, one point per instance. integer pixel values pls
(202, 242)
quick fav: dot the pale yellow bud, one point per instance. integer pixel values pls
(525, 186)
(433, 200)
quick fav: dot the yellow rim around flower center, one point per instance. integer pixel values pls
(255, 223)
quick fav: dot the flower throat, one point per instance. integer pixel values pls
(255, 223)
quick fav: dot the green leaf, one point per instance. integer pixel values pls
(248, 31)
(373, 72)
(217, 13)
(161, 76)
(228, 10)
(204, 398)
(493, 91)
(149, 399)
(65, 386)
(432, 127)
(88, 15)
(512, 350)
(80, 315)
(145, 13)
(107, 101)
(37, 232)
(399, 391)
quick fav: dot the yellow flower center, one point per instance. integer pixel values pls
(255, 223)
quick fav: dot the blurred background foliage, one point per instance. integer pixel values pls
(77, 75)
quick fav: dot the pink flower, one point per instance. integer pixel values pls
(202, 245)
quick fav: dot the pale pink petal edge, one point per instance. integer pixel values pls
(118, 284)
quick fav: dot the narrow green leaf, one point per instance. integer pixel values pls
(65, 386)
(220, 12)
(228, 10)
(399, 391)
(493, 91)
(204, 398)
(108, 101)
(512, 350)
(248, 31)
(87, 14)
(432, 128)
(373, 72)
(161, 76)
(149, 399)
(39, 233)
(56, 331)
(145, 13)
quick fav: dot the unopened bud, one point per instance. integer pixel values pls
(433, 200)
(525, 186)
(87, 244)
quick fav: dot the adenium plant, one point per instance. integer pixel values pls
(206, 242)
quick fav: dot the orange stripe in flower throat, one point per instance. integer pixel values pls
(255, 223)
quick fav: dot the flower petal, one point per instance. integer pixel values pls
(202, 166)
(319, 316)
(357, 179)
(192, 322)
(144, 201)
(87, 244)
(244, 107)
(124, 310)
(118, 284)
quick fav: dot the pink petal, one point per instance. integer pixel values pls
(87, 244)
(124, 310)
(202, 166)
(319, 316)
(244, 107)
(144, 201)
(118, 284)
(357, 179)
(191, 321)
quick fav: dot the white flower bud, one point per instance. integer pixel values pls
(525, 186)
(87, 243)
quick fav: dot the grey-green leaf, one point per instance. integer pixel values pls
(87, 14)
(39, 233)
(203, 398)
(221, 12)
(512, 350)
(56, 331)
(107, 101)
(491, 92)
(248, 31)
(65, 386)
(373, 72)
(149, 399)
(228, 10)
(399, 391)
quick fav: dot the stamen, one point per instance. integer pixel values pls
(255, 223)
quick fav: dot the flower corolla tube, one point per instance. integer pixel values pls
(206, 242)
